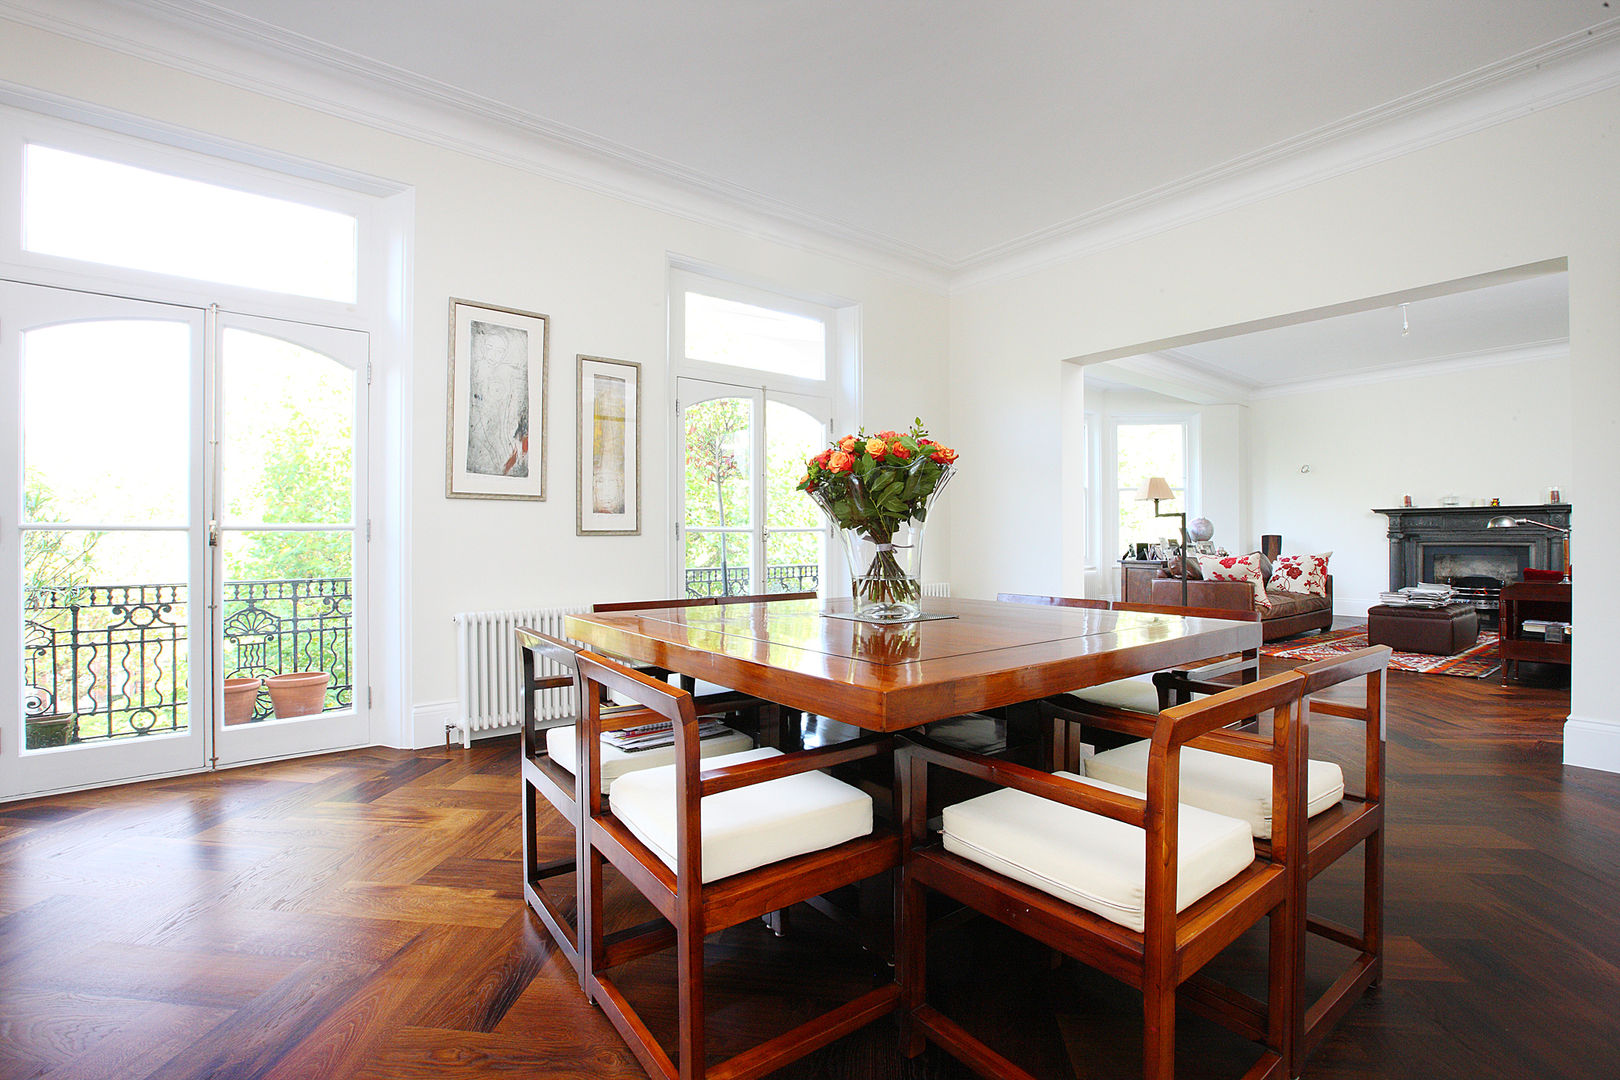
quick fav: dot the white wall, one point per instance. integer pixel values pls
(1535, 188)
(1500, 432)
(594, 264)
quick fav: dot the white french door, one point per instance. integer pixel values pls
(181, 501)
(288, 537)
(743, 527)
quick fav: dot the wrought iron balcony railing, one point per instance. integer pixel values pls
(112, 661)
(706, 581)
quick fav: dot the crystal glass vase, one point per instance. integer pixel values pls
(885, 561)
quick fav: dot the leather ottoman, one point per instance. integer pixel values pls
(1441, 631)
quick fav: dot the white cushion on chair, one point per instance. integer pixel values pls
(1221, 783)
(749, 826)
(1089, 860)
(616, 762)
(1136, 694)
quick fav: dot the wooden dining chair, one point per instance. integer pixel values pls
(1132, 705)
(712, 845)
(1140, 886)
(1334, 821)
(550, 756)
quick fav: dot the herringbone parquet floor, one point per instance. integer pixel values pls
(359, 915)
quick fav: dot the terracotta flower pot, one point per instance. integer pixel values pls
(240, 695)
(298, 693)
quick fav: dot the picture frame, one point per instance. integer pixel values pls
(495, 423)
(607, 447)
(1203, 547)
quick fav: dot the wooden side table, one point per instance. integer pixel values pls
(1532, 600)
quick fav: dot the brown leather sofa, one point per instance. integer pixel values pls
(1290, 613)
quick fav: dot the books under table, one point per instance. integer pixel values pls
(652, 736)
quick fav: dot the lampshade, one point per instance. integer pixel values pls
(1503, 522)
(1154, 487)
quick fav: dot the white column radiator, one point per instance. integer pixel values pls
(488, 669)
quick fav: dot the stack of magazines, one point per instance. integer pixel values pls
(1426, 596)
(652, 736)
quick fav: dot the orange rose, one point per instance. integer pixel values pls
(888, 434)
(876, 448)
(944, 455)
(841, 462)
(822, 458)
(847, 443)
(898, 449)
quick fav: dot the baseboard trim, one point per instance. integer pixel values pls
(428, 722)
(1592, 744)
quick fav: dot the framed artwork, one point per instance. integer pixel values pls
(496, 427)
(608, 448)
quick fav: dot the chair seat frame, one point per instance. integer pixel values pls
(1173, 946)
(692, 909)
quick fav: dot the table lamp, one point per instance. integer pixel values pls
(1157, 488)
(1507, 522)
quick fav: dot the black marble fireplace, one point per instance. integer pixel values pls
(1451, 545)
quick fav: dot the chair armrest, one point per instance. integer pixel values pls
(728, 777)
(1060, 789)
(1184, 723)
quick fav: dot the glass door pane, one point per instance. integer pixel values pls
(718, 488)
(103, 567)
(795, 531)
(290, 404)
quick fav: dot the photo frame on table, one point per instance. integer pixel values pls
(495, 435)
(1204, 547)
(607, 440)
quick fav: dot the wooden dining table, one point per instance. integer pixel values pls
(889, 677)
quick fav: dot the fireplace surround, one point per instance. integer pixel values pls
(1451, 545)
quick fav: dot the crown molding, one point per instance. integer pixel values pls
(203, 39)
(1537, 352)
(200, 39)
(1564, 70)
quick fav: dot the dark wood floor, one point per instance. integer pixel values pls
(359, 915)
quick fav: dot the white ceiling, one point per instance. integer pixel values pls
(1514, 321)
(948, 132)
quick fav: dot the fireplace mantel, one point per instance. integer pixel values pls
(1414, 528)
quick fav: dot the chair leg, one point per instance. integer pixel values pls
(1372, 903)
(531, 860)
(1159, 1025)
(689, 971)
(911, 952)
(1285, 994)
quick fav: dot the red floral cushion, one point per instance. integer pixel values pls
(1302, 574)
(1237, 568)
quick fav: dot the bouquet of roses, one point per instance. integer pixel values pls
(872, 486)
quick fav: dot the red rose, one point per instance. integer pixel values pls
(944, 455)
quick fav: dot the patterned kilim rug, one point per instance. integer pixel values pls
(1475, 662)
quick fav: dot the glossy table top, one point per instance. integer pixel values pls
(887, 678)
